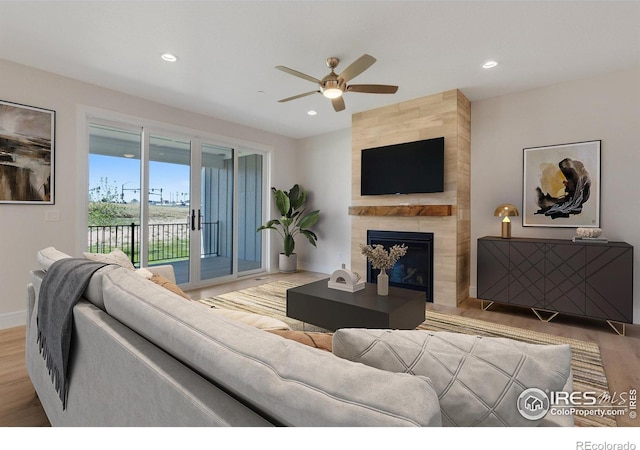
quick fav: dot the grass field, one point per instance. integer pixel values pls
(129, 213)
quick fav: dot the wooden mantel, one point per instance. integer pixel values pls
(402, 210)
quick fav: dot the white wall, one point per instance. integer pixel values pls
(324, 169)
(23, 229)
(604, 108)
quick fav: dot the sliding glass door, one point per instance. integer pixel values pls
(250, 210)
(114, 188)
(166, 206)
(215, 213)
(230, 241)
(166, 198)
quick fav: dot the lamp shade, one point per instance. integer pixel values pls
(505, 210)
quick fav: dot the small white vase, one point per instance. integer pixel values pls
(383, 283)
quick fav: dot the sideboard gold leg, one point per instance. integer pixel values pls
(615, 325)
(548, 319)
(487, 303)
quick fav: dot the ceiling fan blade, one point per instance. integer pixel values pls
(298, 74)
(357, 67)
(338, 104)
(298, 96)
(373, 88)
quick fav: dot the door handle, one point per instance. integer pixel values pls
(199, 220)
(193, 220)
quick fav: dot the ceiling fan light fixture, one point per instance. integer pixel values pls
(333, 86)
(331, 89)
(332, 93)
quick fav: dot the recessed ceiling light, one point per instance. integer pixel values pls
(312, 113)
(169, 57)
(128, 155)
(489, 64)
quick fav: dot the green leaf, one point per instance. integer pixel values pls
(300, 200)
(269, 225)
(289, 245)
(309, 233)
(311, 237)
(282, 202)
(293, 196)
(309, 220)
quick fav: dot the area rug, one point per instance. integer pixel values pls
(269, 299)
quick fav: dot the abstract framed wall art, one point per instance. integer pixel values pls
(27, 147)
(561, 185)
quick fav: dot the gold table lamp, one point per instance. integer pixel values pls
(506, 210)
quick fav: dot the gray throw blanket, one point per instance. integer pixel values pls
(62, 286)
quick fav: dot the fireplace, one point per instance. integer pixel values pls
(415, 269)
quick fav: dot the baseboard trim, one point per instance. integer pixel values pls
(13, 319)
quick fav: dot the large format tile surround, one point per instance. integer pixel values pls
(447, 114)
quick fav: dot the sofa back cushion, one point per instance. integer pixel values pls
(291, 383)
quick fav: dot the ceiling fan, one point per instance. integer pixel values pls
(333, 86)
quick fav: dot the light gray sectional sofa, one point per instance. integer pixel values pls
(143, 356)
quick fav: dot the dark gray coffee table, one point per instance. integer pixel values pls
(332, 309)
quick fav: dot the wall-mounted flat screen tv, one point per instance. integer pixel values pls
(407, 168)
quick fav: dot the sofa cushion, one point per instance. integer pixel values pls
(116, 256)
(169, 285)
(478, 379)
(48, 256)
(315, 339)
(291, 383)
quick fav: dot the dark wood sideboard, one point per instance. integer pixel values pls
(555, 276)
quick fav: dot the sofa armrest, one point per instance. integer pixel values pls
(31, 301)
(33, 289)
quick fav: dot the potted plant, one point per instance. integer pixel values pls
(292, 221)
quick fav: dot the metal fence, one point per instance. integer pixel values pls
(167, 241)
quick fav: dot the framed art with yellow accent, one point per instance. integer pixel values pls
(561, 185)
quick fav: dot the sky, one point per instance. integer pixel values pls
(123, 175)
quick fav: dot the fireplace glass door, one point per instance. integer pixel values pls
(412, 271)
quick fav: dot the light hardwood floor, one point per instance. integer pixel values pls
(20, 407)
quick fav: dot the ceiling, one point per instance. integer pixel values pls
(228, 50)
